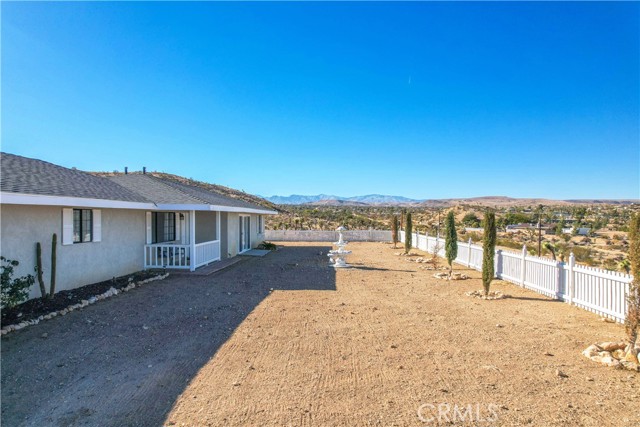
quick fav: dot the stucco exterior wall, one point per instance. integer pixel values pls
(120, 252)
(205, 226)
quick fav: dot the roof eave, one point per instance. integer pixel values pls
(10, 198)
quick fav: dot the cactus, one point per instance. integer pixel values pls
(54, 242)
(43, 290)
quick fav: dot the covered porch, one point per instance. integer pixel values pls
(182, 239)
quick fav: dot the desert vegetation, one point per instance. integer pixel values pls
(604, 245)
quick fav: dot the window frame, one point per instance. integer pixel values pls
(163, 227)
(81, 224)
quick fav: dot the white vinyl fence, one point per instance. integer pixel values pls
(600, 291)
(327, 236)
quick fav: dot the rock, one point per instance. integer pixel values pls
(45, 335)
(605, 358)
(590, 379)
(499, 326)
(17, 327)
(632, 356)
(561, 374)
(612, 346)
(24, 324)
(607, 320)
(3, 332)
(591, 351)
(546, 353)
(630, 365)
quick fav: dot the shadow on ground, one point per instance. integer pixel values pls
(126, 360)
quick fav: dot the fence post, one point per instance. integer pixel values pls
(572, 277)
(559, 271)
(523, 265)
(498, 265)
(469, 253)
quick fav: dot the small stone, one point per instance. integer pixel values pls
(45, 335)
(561, 374)
(145, 327)
(393, 346)
(499, 326)
(546, 353)
(236, 384)
(612, 346)
(590, 379)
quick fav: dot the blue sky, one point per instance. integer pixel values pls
(424, 100)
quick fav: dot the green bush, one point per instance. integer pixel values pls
(267, 246)
(13, 291)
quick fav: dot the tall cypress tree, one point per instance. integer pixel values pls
(488, 250)
(632, 321)
(451, 240)
(394, 230)
(408, 230)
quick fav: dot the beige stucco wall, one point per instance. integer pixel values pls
(233, 228)
(205, 226)
(119, 253)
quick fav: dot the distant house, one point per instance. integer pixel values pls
(580, 231)
(116, 225)
(545, 229)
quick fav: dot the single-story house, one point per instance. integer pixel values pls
(109, 226)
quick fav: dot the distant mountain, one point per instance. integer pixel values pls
(382, 200)
(326, 199)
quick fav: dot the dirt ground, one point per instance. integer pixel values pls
(383, 343)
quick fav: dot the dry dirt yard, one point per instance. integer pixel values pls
(383, 343)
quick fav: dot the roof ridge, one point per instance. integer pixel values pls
(161, 181)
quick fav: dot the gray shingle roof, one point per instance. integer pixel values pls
(209, 196)
(31, 176)
(152, 189)
(162, 190)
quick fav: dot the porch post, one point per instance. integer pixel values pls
(192, 240)
(218, 226)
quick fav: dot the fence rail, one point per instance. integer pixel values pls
(601, 291)
(207, 252)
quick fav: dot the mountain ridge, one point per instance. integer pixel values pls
(387, 200)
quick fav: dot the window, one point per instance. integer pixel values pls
(260, 224)
(82, 225)
(164, 227)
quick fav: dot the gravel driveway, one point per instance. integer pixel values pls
(126, 360)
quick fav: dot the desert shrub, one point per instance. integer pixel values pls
(394, 230)
(267, 246)
(632, 321)
(13, 291)
(408, 234)
(451, 240)
(488, 250)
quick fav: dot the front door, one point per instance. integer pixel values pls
(244, 234)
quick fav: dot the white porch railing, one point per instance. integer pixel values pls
(594, 289)
(166, 256)
(207, 252)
